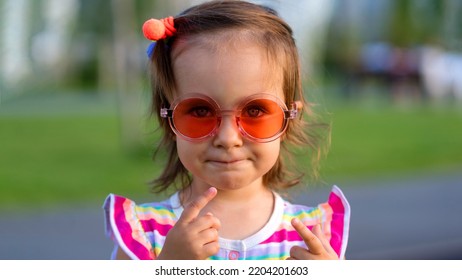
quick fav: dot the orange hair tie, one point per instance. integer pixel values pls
(154, 29)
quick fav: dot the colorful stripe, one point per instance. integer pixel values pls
(283, 235)
(341, 220)
(126, 229)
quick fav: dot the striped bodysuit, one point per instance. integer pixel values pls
(140, 230)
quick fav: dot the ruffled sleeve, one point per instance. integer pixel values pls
(335, 220)
(125, 228)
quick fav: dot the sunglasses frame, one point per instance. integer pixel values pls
(287, 113)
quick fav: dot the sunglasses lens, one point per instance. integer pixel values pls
(262, 118)
(195, 118)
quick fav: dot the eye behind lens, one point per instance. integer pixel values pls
(194, 118)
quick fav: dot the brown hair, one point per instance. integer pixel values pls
(254, 23)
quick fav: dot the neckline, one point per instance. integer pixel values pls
(241, 245)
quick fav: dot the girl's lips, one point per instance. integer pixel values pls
(226, 162)
(229, 161)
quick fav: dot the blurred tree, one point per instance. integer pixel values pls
(92, 43)
(108, 42)
(401, 29)
(110, 56)
(14, 31)
(398, 23)
(426, 19)
(127, 71)
(452, 22)
(415, 22)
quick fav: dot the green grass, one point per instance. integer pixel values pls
(391, 141)
(67, 152)
(50, 156)
(72, 158)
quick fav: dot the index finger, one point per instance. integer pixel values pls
(191, 211)
(312, 241)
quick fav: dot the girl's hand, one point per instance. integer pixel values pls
(193, 237)
(318, 246)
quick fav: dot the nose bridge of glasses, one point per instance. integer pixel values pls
(231, 116)
(228, 125)
(229, 112)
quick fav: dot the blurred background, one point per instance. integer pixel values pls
(75, 123)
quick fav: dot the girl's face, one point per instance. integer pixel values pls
(226, 160)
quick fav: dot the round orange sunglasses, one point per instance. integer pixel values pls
(260, 117)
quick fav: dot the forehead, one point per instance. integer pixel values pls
(227, 63)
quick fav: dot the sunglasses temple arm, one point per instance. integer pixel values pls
(166, 113)
(294, 110)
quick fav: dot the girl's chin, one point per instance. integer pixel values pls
(229, 183)
(229, 180)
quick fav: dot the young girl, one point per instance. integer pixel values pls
(227, 92)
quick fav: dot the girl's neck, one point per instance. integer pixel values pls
(236, 196)
(242, 212)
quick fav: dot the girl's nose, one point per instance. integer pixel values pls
(228, 134)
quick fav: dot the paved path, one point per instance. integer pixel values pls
(414, 218)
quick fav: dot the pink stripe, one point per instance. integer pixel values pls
(337, 223)
(153, 225)
(125, 231)
(284, 235)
